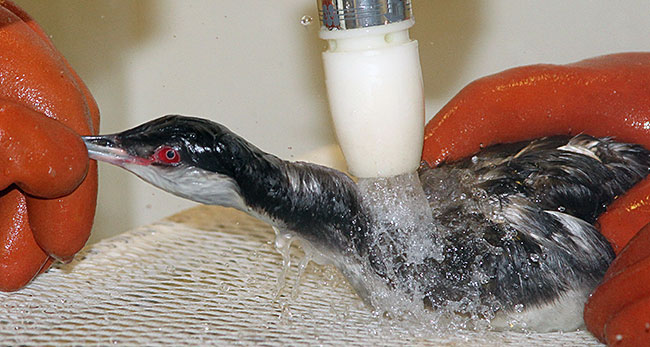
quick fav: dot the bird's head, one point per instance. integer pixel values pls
(186, 156)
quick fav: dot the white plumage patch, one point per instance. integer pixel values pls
(581, 146)
(562, 314)
(576, 229)
(192, 183)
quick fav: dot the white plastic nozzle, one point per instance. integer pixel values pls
(374, 85)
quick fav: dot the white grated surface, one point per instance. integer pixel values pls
(207, 276)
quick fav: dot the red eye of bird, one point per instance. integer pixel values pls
(167, 155)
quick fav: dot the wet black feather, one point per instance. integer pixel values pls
(538, 255)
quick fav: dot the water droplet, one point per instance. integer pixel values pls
(306, 20)
(519, 308)
(561, 208)
(619, 337)
(534, 257)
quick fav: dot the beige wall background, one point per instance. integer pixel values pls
(252, 65)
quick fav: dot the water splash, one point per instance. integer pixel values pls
(404, 271)
(283, 240)
(306, 20)
(399, 208)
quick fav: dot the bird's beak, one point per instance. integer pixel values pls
(106, 148)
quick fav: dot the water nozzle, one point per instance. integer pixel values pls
(374, 84)
(353, 14)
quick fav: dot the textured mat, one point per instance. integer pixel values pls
(208, 276)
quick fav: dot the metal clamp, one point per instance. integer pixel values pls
(352, 14)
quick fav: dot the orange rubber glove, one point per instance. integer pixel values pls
(603, 96)
(618, 312)
(49, 187)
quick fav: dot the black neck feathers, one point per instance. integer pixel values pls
(321, 204)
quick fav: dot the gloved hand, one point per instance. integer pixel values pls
(603, 96)
(49, 187)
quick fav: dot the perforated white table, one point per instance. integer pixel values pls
(207, 276)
